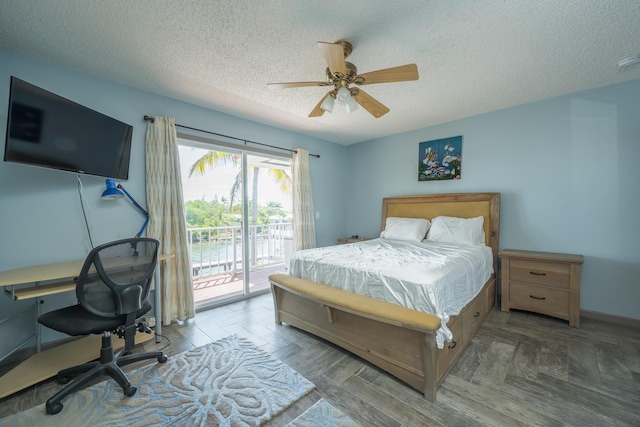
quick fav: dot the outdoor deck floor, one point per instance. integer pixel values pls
(227, 284)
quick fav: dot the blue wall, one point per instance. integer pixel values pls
(564, 167)
(567, 172)
(41, 217)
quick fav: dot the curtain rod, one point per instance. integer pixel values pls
(151, 119)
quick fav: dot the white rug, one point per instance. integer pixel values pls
(230, 382)
(323, 414)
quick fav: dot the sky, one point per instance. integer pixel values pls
(218, 181)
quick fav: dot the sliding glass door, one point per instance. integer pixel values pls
(238, 212)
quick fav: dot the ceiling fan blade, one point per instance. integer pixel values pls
(296, 84)
(334, 56)
(369, 103)
(402, 73)
(317, 110)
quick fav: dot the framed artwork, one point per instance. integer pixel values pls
(440, 159)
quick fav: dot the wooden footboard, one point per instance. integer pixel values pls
(398, 340)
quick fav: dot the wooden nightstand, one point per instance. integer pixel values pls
(352, 239)
(542, 282)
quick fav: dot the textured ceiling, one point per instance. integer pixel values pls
(473, 56)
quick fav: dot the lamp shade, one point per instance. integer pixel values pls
(328, 103)
(112, 191)
(343, 95)
(351, 105)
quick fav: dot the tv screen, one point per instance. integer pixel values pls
(44, 129)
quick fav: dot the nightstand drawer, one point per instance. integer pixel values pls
(539, 272)
(540, 299)
(542, 282)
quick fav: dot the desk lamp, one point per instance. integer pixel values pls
(114, 191)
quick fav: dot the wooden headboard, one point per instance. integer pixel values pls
(462, 205)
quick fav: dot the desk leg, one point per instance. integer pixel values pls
(38, 326)
(156, 304)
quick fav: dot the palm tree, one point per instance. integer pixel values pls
(214, 159)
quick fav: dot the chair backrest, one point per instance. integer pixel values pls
(116, 276)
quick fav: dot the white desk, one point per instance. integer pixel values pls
(46, 364)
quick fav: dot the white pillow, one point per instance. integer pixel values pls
(410, 229)
(449, 229)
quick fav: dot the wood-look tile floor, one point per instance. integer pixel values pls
(520, 369)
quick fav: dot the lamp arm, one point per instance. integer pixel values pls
(126, 193)
(142, 211)
(146, 221)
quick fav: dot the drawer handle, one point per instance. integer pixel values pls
(538, 298)
(537, 274)
(477, 314)
(452, 345)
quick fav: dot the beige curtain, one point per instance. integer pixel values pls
(304, 228)
(167, 219)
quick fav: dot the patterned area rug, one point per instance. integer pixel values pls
(323, 414)
(230, 382)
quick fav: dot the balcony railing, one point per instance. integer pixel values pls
(217, 252)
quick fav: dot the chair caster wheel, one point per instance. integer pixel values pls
(162, 358)
(130, 391)
(54, 409)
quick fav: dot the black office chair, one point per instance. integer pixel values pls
(113, 291)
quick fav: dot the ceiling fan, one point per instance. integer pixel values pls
(342, 74)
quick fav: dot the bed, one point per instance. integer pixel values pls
(400, 340)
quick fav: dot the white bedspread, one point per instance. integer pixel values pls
(435, 278)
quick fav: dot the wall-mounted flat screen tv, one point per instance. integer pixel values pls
(47, 130)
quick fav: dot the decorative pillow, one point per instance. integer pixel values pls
(449, 229)
(409, 229)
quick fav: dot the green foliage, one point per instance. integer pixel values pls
(215, 159)
(200, 213)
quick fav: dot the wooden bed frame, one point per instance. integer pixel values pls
(398, 340)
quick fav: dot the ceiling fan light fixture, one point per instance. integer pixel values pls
(328, 103)
(341, 74)
(351, 105)
(344, 95)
